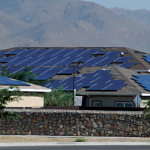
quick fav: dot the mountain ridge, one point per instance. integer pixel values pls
(141, 16)
(73, 23)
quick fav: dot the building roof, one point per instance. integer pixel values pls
(137, 55)
(132, 88)
(124, 74)
(29, 87)
(118, 72)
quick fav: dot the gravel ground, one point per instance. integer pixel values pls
(16, 139)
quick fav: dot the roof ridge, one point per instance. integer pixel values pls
(119, 70)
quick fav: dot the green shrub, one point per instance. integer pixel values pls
(80, 140)
(58, 98)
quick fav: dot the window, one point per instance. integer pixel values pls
(97, 104)
(124, 104)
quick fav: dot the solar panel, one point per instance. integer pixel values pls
(45, 76)
(106, 87)
(7, 81)
(122, 59)
(115, 87)
(143, 81)
(99, 80)
(128, 64)
(147, 58)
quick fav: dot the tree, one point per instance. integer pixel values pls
(26, 75)
(58, 98)
(146, 111)
(8, 95)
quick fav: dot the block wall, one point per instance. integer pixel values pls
(74, 123)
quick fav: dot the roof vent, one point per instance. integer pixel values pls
(122, 54)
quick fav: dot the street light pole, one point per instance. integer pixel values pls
(78, 76)
(73, 84)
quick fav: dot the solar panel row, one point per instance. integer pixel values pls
(7, 81)
(147, 58)
(59, 57)
(99, 80)
(143, 81)
(128, 64)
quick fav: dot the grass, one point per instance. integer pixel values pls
(80, 140)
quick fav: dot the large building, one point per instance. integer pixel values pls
(110, 76)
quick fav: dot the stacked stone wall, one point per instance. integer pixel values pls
(75, 123)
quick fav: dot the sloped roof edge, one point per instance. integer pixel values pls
(31, 90)
(111, 94)
(106, 93)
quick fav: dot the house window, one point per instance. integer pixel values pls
(97, 104)
(124, 104)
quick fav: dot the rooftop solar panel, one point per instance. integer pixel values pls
(7, 81)
(143, 81)
(128, 64)
(122, 59)
(65, 57)
(99, 80)
(147, 58)
(45, 76)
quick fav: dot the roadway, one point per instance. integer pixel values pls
(110, 147)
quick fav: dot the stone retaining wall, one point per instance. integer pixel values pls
(73, 123)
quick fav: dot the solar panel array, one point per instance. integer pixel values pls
(100, 80)
(8, 81)
(59, 57)
(147, 58)
(143, 81)
(35, 58)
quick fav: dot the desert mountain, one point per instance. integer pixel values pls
(11, 24)
(74, 33)
(140, 16)
(68, 23)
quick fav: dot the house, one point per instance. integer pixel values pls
(111, 76)
(124, 96)
(29, 99)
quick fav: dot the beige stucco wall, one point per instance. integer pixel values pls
(28, 101)
(108, 101)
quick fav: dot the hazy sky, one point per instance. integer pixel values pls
(127, 4)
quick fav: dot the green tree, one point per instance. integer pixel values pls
(26, 75)
(58, 98)
(8, 95)
(146, 111)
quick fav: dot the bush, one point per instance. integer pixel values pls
(80, 140)
(58, 98)
(8, 95)
(146, 111)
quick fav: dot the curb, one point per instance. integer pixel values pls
(75, 144)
